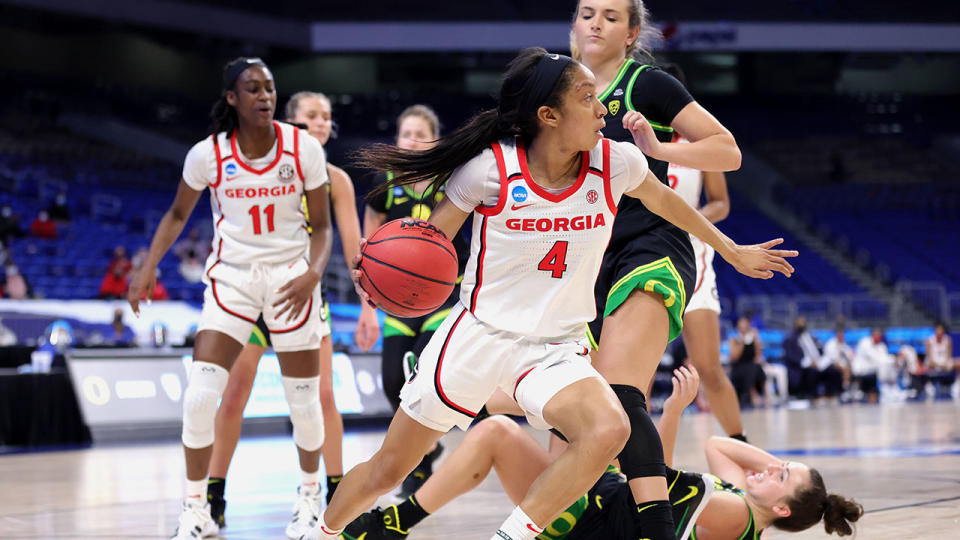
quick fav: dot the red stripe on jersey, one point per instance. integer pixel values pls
(534, 529)
(296, 153)
(703, 273)
(216, 150)
(236, 153)
(213, 285)
(522, 158)
(504, 182)
(525, 373)
(298, 325)
(436, 379)
(483, 251)
(607, 191)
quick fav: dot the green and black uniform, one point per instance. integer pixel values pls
(751, 532)
(645, 252)
(412, 334)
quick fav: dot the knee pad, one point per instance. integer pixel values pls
(306, 413)
(642, 456)
(204, 388)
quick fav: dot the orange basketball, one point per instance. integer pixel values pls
(409, 268)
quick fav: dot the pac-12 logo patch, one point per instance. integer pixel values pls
(592, 196)
(230, 169)
(519, 193)
(286, 172)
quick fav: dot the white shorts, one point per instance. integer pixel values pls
(466, 360)
(237, 294)
(705, 295)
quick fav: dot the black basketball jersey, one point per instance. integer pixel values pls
(401, 202)
(658, 97)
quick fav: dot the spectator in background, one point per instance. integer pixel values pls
(121, 335)
(746, 363)
(43, 226)
(871, 361)
(139, 257)
(941, 367)
(159, 290)
(801, 354)
(9, 225)
(15, 286)
(58, 209)
(909, 361)
(839, 355)
(120, 261)
(114, 284)
(192, 246)
(191, 267)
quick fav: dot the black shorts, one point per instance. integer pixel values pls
(659, 260)
(613, 517)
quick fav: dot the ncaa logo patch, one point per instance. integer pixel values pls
(519, 193)
(592, 196)
(230, 169)
(397, 191)
(286, 172)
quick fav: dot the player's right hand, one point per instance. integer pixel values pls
(142, 285)
(355, 273)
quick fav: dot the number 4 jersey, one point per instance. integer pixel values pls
(256, 202)
(535, 252)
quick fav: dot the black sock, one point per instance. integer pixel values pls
(655, 520)
(409, 512)
(332, 483)
(739, 437)
(216, 488)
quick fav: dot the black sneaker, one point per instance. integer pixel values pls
(218, 505)
(377, 524)
(689, 493)
(418, 476)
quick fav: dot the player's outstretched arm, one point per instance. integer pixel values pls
(686, 381)
(166, 234)
(757, 261)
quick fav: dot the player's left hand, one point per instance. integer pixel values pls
(760, 261)
(296, 294)
(686, 382)
(643, 135)
(368, 328)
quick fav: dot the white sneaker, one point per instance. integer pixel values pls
(306, 512)
(195, 522)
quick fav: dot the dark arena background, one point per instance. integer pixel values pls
(845, 112)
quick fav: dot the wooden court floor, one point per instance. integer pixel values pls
(901, 461)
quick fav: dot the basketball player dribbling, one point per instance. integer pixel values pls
(312, 110)
(263, 262)
(648, 270)
(543, 185)
(418, 128)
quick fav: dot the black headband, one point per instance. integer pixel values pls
(542, 81)
(240, 65)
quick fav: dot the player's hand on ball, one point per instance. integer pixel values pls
(686, 382)
(296, 294)
(760, 261)
(142, 285)
(643, 135)
(355, 275)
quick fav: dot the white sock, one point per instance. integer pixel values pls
(518, 526)
(197, 491)
(310, 480)
(325, 532)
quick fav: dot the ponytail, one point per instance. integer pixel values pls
(512, 117)
(810, 504)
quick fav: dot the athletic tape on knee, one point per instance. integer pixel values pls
(642, 456)
(306, 413)
(204, 389)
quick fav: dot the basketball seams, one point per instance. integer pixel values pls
(408, 311)
(420, 238)
(405, 271)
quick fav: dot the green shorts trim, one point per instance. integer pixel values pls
(257, 338)
(659, 277)
(434, 321)
(394, 327)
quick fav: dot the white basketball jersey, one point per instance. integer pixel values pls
(256, 212)
(937, 352)
(688, 183)
(535, 256)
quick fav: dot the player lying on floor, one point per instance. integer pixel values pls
(751, 491)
